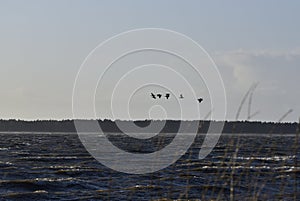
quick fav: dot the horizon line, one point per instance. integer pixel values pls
(134, 120)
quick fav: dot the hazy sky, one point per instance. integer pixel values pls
(43, 43)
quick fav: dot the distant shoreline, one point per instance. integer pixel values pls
(201, 134)
(171, 126)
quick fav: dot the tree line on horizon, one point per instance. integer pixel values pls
(171, 126)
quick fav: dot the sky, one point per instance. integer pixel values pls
(43, 44)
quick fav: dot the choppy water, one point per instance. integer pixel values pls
(57, 167)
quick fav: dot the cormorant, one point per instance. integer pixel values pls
(200, 100)
(167, 96)
(153, 96)
(159, 95)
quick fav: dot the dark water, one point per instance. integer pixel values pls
(57, 167)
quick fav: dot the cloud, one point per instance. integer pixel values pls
(277, 72)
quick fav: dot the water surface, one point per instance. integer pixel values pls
(36, 166)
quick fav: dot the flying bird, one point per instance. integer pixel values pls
(153, 96)
(181, 96)
(200, 100)
(167, 96)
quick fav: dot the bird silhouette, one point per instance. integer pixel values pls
(153, 96)
(200, 100)
(181, 96)
(159, 95)
(167, 96)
